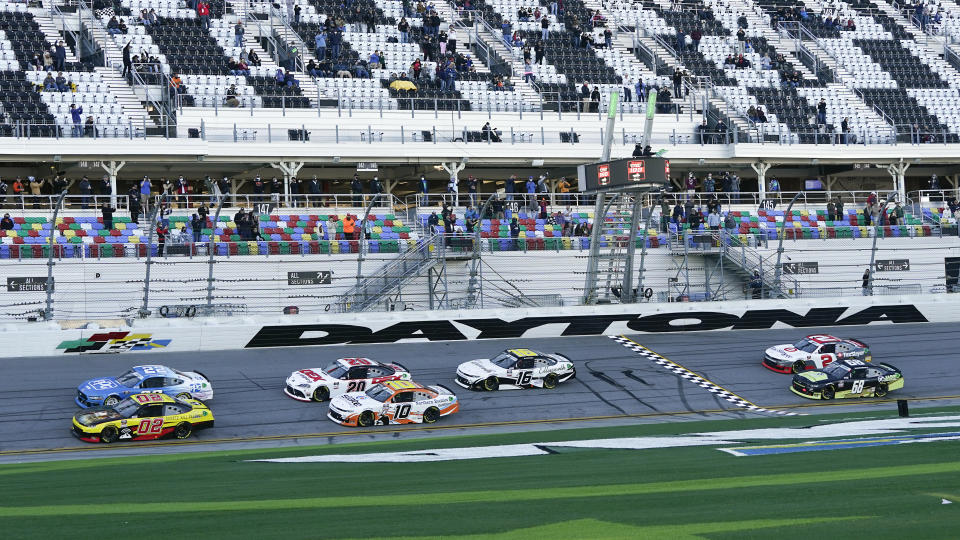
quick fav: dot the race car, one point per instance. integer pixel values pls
(342, 376)
(814, 352)
(108, 391)
(142, 417)
(847, 379)
(516, 368)
(393, 402)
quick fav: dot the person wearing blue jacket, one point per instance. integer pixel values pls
(76, 114)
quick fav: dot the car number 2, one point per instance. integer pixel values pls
(150, 425)
(857, 387)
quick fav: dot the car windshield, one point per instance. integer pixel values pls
(806, 345)
(837, 371)
(504, 360)
(129, 379)
(379, 392)
(335, 370)
(127, 407)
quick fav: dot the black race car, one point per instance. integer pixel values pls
(847, 379)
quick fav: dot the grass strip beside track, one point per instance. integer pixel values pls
(692, 492)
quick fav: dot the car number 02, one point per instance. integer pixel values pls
(150, 425)
(402, 411)
(857, 387)
(356, 386)
(523, 377)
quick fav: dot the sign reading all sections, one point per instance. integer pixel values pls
(322, 277)
(26, 284)
(367, 166)
(893, 265)
(801, 268)
(624, 174)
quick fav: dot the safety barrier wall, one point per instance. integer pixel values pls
(154, 337)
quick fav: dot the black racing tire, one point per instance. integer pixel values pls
(490, 384)
(109, 434)
(550, 381)
(881, 390)
(184, 395)
(799, 366)
(110, 401)
(183, 430)
(828, 393)
(322, 393)
(431, 415)
(366, 419)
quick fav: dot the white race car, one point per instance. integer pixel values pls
(393, 402)
(516, 368)
(814, 352)
(342, 376)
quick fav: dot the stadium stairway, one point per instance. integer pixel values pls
(113, 55)
(126, 98)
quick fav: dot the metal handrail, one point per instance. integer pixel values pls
(386, 278)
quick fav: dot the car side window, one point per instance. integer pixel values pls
(828, 349)
(374, 372)
(525, 363)
(150, 411)
(403, 397)
(860, 373)
(873, 373)
(357, 373)
(152, 382)
(170, 409)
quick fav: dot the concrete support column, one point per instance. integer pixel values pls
(290, 170)
(112, 168)
(898, 173)
(761, 169)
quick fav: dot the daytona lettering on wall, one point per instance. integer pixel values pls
(582, 325)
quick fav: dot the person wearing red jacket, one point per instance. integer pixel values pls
(203, 11)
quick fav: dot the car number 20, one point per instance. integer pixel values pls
(356, 386)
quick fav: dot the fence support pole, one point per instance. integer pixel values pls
(778, 271)
(48, 311)
(151, 220)
(210, 249)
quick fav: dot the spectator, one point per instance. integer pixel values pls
(59, 57)
(76, 114)
(36, 184)
(6, 224)
(472, 184)
(729, 223)
(691, 185)
(135, 206)
(127, 63)
(514, 228)
(238, 32)
(595, 99)
(162, 232)
(756, 283)
(542, 203)
(831, 210)
(86, 190)
(678, 83)
(231, 99)
(404, 28)
(203, 11)
(183, 191)
(838, 208)
(585, 97)
(146, 188)
(107, 211)
(253, 58)
(531, 188)
(822, 111)
(867, 284)
(433, 221)
(713, 220)
(510, 187)
(356, 188)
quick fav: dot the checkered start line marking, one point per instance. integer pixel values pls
(677, 369)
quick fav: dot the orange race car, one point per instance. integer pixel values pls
(393, 402)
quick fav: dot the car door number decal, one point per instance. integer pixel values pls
(356, 386)
(402, 411)
(150, 426)
(857, 387)
(523, 377)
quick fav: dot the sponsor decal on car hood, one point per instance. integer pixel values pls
(91, 387)
(813, 376)
(477, 368)
(779, 352)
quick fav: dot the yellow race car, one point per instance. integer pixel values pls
(142, 417)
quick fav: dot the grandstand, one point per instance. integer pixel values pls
(831, 99)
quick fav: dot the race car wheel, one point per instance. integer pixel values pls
(365, 419)
(799, 366)
(550, 381)
(109, 434)
(431, 415)
(111, 401)
(183, 430)
(827, 392)
(490, 384)
(322, 393)
(881, 390)
(184, 395)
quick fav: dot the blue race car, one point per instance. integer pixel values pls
(108, 391)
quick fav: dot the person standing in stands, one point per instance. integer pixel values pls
(866, 286)
(76, 113)
(135, 206)
(86, 190)
(510, 187)
(145, 190)
(472, 189)
(756, 285)
(238, 34)
(349, 227)
(203, 11)
(695, 36)
(6, 224)
(294, 191)
(424, 190)
(107, 211)
(677, 83)
(127, 63)
(356, 188)
(544, 28)
(320, 44)
(60, 57)
(196, 226)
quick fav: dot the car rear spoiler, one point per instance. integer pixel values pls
(401, 366)
(860, 341)
(888, 366)
(565, 357)
(449, 391)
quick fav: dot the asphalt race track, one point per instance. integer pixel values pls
(36, 395)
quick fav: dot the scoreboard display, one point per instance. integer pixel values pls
(624, 174)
